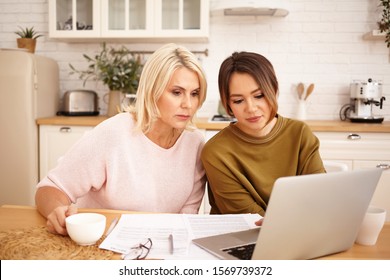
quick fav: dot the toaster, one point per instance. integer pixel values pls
(80, 103)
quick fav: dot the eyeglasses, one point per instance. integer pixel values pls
(139, 252)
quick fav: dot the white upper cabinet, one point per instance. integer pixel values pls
(129, 19)
(184, 18)
(74, 18)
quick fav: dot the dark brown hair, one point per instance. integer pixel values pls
(259, 68)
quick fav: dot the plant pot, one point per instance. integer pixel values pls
(27, 43)
(114, 102)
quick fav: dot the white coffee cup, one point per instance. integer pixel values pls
(86, 228)
(371, 226)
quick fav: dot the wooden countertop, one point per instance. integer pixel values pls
(64, 120)
(203, 123)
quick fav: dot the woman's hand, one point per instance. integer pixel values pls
(55, 206)
(56, 219)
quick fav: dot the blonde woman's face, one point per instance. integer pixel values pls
(180, 99)
(249, 105)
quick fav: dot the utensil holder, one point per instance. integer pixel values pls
(301, 110)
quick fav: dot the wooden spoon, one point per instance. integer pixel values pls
(309, 91)
(300, 89)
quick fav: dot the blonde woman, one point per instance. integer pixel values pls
(147, 159)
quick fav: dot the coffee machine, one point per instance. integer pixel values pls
(364, 96)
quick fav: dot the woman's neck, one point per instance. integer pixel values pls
(163, 137)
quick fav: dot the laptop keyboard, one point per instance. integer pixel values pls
(242, 252)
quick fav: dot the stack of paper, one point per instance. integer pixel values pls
(135, 229)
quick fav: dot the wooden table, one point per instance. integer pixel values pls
(17, 217)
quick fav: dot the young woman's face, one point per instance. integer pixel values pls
(180, 99)
(249, 105)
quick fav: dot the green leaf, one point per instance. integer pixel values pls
(119, 69)
(28, 33)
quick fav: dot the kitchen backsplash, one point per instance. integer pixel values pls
(319, 42)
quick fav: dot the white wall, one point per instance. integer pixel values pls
(318, 42)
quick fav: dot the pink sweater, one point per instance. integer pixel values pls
(114, 167)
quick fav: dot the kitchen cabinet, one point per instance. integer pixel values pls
(360, 151)
(127, 19)
(182, 18)
(54, 141)
(74, 18)
(354, 147)
(150, 20)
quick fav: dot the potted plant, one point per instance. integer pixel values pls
(27, 38)
(384, 23)
(118, 69)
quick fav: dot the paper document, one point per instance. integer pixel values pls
(171, 234)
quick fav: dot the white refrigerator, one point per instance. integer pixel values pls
(29, 89)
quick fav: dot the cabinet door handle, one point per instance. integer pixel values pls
(383, 165)
(354, 136)
(65, 129)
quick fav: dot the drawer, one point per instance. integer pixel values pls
(354, 146)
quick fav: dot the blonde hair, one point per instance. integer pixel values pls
(155, 77)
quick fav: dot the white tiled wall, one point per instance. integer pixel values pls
(318, 42)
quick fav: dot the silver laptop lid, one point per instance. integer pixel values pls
(307, 217)
(315, 215)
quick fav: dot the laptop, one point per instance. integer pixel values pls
(307, 217)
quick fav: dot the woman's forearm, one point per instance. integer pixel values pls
(49, 198)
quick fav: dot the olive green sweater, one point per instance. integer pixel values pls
(242, 169)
